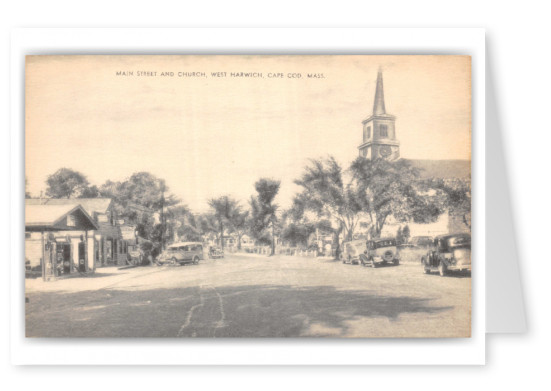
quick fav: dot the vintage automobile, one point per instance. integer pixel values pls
(136, 257)
(352, 251)
(182, 253)
(448, 252)
(215, 252)
(381, 251)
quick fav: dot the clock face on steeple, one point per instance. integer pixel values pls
(385, 151)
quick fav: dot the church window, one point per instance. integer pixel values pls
(383, 131)
(368, 132)
(365, 134)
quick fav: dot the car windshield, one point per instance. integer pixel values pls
(459, 241)
(358, 245)
(384, 243)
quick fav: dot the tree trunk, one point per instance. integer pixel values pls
(337, 243)
(465, 221)
(222, 236)
(273, 240)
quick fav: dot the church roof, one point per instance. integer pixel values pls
(442, 169)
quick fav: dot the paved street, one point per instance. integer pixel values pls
(251, 296)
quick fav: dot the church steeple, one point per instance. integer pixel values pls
(379, 131)
(379, 103)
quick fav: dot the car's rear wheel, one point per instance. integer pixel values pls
(424, 263)
(373, 264)
(196, 259)
(173, 261)
(442, 269)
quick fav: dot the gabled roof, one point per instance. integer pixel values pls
(55, 218)
(442, 169)
(91, 205)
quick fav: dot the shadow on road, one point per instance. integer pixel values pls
(452, 274)
(244, 311)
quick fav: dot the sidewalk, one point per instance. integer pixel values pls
(102, 277)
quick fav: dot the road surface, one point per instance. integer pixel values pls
(249, 295)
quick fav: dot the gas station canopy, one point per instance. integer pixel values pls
(40, 218)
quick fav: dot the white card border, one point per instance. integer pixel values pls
(245, 351)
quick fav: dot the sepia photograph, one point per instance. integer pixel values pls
(248, 196)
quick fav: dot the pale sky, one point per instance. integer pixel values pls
(210, 136)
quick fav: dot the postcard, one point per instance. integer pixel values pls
(248, 196)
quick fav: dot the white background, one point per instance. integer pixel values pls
(520, 62)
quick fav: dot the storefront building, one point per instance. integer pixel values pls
(105, 245)
(51, 248)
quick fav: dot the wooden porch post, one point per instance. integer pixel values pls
(86, 251)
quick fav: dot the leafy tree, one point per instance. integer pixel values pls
(456, 197)
(209, 225)
(399, 236)
(392, 189)
(191, 229)
(263, 210)
(90, 192)
(66, 183)
(223, 208)
(298, 234)
(406, 233)
(182, 223)
(139, 199)
(325, 193)
(239, 223)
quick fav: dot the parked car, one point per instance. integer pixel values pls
(182, 253)
(215, 252)
(448, 252)
(381, 251)
(352, 251)
(135, 257)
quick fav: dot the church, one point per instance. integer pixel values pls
(379, 140)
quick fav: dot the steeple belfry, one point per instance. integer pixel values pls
(379, 102)
(379, 132)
